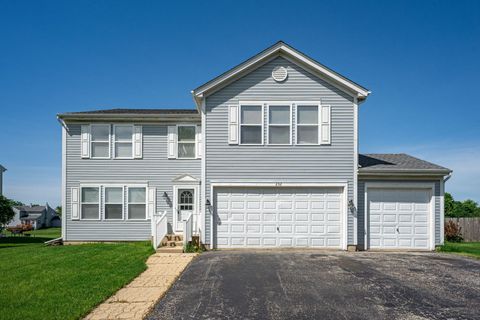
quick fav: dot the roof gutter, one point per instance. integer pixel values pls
(411, 172)
(127, 117)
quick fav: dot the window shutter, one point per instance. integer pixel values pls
(172, 142)
(75, 200)
(232, 124)
(325, 125)
(137, 142)
(85, 141)
(199, 144)
(152, 201)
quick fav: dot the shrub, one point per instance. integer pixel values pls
(453, 232)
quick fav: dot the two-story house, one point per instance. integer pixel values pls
(268, 158)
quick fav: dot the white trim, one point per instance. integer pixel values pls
(442, 211)
(355, 170)
(80, 201)
(246, 104)
(109, 140)
(319, 112)
(128, 186)
(64, 183)
(104, 202)
(402, 185)
(115, 126)
(281, 49)
(290, 124)
(281, 184)
(195, 210)
(194, 141)
(203, 182)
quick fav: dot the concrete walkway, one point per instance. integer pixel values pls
(136, 299)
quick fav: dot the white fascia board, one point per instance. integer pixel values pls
(286, 52)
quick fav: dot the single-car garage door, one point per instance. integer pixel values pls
(279, 217)
(399, 218)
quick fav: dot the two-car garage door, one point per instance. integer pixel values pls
(279, 217)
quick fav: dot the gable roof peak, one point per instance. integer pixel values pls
(280, 48)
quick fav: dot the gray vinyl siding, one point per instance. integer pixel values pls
(154, 168)
(320, 164)
(361, 207)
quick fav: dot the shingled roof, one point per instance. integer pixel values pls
(137, 111)
(397, 162)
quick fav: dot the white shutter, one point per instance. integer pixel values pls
(325, 125)
(75, 200)
(232, 124)
(152, 202)
(137, 142)
(172, 142)
(85, 141)
(199, 144)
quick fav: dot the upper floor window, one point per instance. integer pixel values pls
(186, 141)
(307, 124)
(90, 203)
(100, 141)
(279, 124)
(123, 141)
(251, 124)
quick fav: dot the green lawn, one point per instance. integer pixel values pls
(63, 282)
(471, 249)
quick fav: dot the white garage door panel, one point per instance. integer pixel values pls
(279, 217)
(399, 218)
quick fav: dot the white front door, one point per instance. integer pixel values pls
(279, 217)
(399, 218)
(185, 206)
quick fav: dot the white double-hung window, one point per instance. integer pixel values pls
(113, 203)
(186, 141)
(307, 124)
(136, 203)
(279, 124)
(100, 141)
(123, 141)
(90, 203)
(251, 124)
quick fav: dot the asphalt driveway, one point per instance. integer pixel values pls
(324, 285)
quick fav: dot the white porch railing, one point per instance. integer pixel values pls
(159, 228)
(187, 230)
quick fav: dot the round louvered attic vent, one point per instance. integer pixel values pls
(279, 74)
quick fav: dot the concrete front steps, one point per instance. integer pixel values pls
(172, 243)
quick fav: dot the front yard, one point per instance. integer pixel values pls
(471, 249)
(63, 282)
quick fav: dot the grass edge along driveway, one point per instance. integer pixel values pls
(470, 249)
(64, 282)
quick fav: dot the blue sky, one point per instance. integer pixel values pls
(420, 59)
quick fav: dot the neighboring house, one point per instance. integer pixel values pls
(36, 216)
(2, 170)
(269, 158)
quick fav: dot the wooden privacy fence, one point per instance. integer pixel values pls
(470, 228)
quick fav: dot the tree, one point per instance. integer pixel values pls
(459, 209)
(58, 209)
(6, 211)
